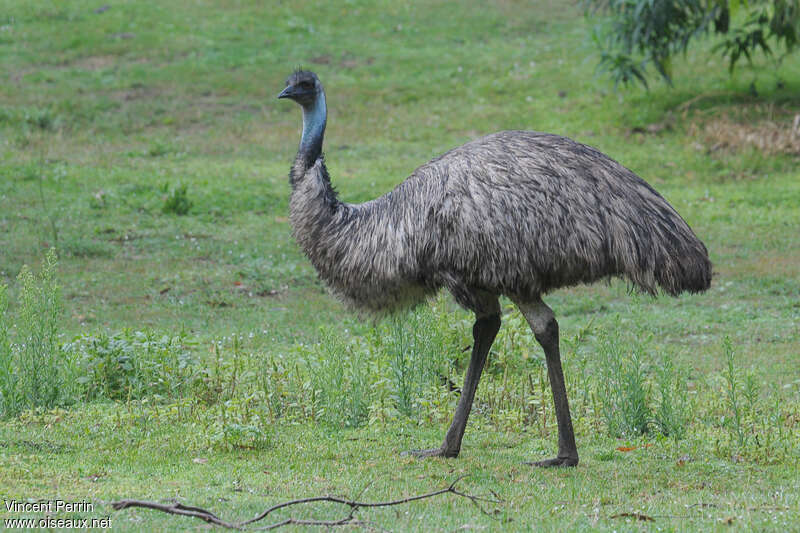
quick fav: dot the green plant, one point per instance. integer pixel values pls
(177, 201)
(623, 389)
(10, 397)
(576, 353)
(159, 148)
(239, 423)
(47, 213)
(40, 367)
(643, 33)
(36, 373)
(734, 420)
(515, 349)
(414, 345)
(285, 390)
(764, 21)
(132, 365)
(340, 374)
(673, 411)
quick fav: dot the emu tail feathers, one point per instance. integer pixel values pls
(660, 250)
(687, 269)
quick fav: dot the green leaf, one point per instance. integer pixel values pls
(733, 7)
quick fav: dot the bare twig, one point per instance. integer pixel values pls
(346, 521)
(176, 508)
(198, 512)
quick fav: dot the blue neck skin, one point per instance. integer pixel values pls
(314, 118)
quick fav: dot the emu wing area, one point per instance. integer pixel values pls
(522, 213)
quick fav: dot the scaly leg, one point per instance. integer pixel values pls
(483, 333)
(545, 329)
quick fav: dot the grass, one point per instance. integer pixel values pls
(145, 143)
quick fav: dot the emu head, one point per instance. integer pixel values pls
(302, 86)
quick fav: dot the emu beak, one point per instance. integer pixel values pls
(287, 92)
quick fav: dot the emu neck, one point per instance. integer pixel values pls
(315, 116)
(313, 202)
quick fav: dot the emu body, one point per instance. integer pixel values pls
(515, 213)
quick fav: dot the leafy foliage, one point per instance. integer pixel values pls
(643, 33)
(132, 365)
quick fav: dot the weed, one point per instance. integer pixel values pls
(47, 214)
(283, 388)
(735, 419)
(340, 375)
(229, 373)
(42, 119)
(417, 358)
(400, 368)
(176, 201)
(132, 365)
(515, 349)
(159, 149)
(36, 373)
(578, 377)
(10, 397)
(239, 423)
(36, 118)
(673, 410)
(623, 388)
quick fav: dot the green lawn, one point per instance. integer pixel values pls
(106, 113)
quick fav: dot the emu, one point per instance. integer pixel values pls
(514, 213)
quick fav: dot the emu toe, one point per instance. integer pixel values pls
(558, 461)
(432, 452)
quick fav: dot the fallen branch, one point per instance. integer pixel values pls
(203, 514)
(176, 508)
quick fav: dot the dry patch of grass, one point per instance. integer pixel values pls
(96, 62)
(137, 91)
(777, 134)
(773, 264)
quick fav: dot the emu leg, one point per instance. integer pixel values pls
(483, 333)
(545, 329)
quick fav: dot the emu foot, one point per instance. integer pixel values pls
(558, 461)
(433, 452)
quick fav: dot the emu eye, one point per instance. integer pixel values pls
(305, 84)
